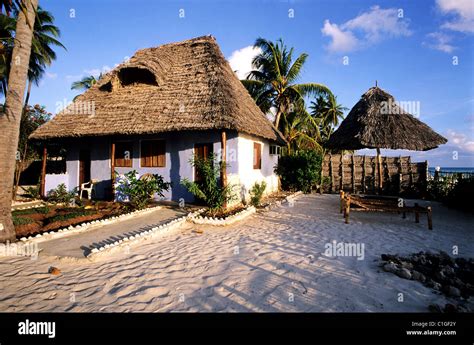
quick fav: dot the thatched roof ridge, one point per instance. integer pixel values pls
(187, 85)
(370, 125)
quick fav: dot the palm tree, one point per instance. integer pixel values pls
(300, 129)
(328, 110)
(85, 83)
(10, 120)
(272, 83)
(42, 55)
(7, 34)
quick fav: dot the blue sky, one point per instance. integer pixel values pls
(419, 51)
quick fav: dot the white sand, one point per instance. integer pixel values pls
(271, 262)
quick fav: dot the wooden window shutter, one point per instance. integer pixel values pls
(153, 153)
(257, 156)
(123, 154)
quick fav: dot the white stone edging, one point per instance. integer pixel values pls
(198, 219)
(83, 227)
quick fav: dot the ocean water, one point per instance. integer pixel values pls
(448, 169)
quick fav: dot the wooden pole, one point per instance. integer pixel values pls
(331, 178)
(353, 174)
(341, 169)
(43, 172)
(379, 169)
(112, 169)
(363, 174)
(223, 161)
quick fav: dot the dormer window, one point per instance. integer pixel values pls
(135, 75)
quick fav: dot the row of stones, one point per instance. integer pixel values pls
(84, 226)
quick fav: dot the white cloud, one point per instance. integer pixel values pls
(241, 60)
(366, 29)
(97, 71)
(341, 41)
(463, 12)
(440, 41)
(460, 140)
(51, 75)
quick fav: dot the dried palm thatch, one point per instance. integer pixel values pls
(377, 121)
(174, 87)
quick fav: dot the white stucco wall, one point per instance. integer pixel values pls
(52, 181)
(247, 175)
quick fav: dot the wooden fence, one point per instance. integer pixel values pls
(358, 174)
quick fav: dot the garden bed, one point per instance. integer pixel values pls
(34, 221)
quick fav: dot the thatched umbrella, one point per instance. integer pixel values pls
(377, 121)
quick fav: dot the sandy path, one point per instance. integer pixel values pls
(270, 262)
(79, 245)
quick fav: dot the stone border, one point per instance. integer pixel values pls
(288, 199)
(83, 227)
(198, 219)
(15, 208)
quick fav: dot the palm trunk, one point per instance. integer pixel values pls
(20, 162)
(10, 120)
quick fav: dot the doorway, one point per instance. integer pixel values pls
(84, 166)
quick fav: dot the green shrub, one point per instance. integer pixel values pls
(61, 194)
(209, 189)
(33, 192)
(22, 220)
(41, 210)
(299, 171)
(256, 193)
(460, 196)
(140, 191)
(70, 214)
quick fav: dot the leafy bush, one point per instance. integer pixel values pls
(61, 194)
(256, 193)
(460, 196)
(22, 220)
(209, 189)
(140, 191)
(41, 210)
(70, 214)
(33, 191)
(299, 171)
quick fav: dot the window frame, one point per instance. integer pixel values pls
(116, 143)
(257, 160)
(163, 153)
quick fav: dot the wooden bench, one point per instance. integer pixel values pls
(381, 204)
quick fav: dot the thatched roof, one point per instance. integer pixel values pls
(187, 85)
(377, 121)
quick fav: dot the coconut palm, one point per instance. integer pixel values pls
(85, 83)
(300, 129)
(10, 120)
(272, 83)
(7, 34)
(327, 110)
(42, 54)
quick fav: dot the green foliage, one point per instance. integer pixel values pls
(460, 196)
(299, 171)
(70, 213)
(256, 193)
(140, 191)
(61, 194)
(40, 210)
(33, 191)
(209, 189)
(22, 220)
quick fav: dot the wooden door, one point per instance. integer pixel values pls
(84, 166)
(201, 151)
